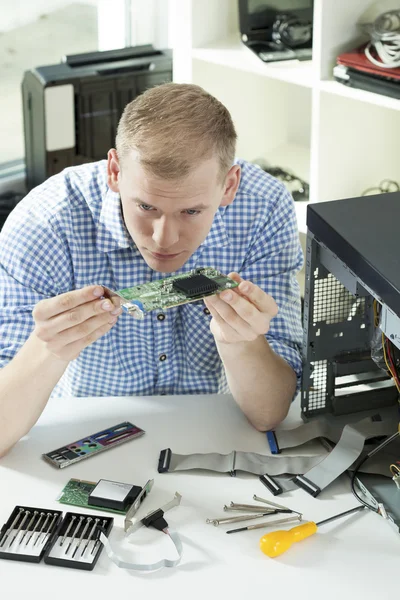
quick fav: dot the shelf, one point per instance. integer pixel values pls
(339, 89)
(233, 53)
(295, 158)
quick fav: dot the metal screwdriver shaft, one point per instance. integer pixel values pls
(27, 513)
(98, 540)
(90, 536)
(258, 499)
(45, 532)
(264, 524)
(274, 504)
(35, 513)
(343, 514)
(73, 517)
(74, 534)
(248, 507)
(88, 521)
(42, 514)
(43, 528)
(21, 510)
(238, 519)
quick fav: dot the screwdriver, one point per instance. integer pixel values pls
(277, 542)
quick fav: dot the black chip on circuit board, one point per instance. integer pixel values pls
(196, 285)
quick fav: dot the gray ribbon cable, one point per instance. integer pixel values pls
(344, 454)
(318, 471)
(258, 464)
(164, 562)
(321, 428)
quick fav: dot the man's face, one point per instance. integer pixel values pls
(169, 219)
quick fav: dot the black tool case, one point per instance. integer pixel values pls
(55, 547)
(24, 551)
(71, 109)
(55, 555)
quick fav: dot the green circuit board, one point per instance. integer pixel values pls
(76, 493)
(173, 291)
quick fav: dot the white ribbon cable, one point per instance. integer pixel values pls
(164, 562)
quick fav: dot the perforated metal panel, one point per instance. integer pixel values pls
(338, 326)
(333, 303)
(317, 389)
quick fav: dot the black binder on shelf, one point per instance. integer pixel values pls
(386, 86)
(71, 109)
(355, 70)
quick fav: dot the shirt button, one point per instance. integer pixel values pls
(206, 311)
(161, 316)
(162, 357)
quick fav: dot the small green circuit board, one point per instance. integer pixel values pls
(173, 291)
(76, 493)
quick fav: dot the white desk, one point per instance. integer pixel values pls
(356, 557)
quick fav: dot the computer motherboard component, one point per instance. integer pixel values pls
(93, 444)
(77, 493)
(173, 291)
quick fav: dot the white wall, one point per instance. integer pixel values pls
(21, 12)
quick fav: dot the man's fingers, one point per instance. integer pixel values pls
(76, 318)
(235, 276)
(74, 348)
(228, 334)
(45, 309)
(81, 331)
(229, 317)
(264, 302)
(246, 311)
(255, 294)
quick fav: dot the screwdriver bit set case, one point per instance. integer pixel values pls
(31, 534)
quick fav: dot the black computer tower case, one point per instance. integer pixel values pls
(340, 377)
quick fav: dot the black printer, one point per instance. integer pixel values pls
(277, 30)
(71, 110)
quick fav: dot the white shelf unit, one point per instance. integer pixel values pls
(231, 52)
(293, 114)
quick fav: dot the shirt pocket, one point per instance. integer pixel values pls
(200, 347)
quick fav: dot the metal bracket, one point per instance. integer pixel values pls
(134, 507)
(137, 523)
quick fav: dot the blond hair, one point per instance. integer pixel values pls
(175, 126)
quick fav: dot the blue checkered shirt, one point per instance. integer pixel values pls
(69, 233)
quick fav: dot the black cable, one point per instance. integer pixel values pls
(291, 31)
(302, 193)
(361, 462)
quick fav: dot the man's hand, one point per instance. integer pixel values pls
(242, 314)
(71, 321)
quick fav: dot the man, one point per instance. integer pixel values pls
(168, 199)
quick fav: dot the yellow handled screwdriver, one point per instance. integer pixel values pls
(277, 542)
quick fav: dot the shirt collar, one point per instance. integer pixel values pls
(113, 235)
(111, 232)
(218, 235)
